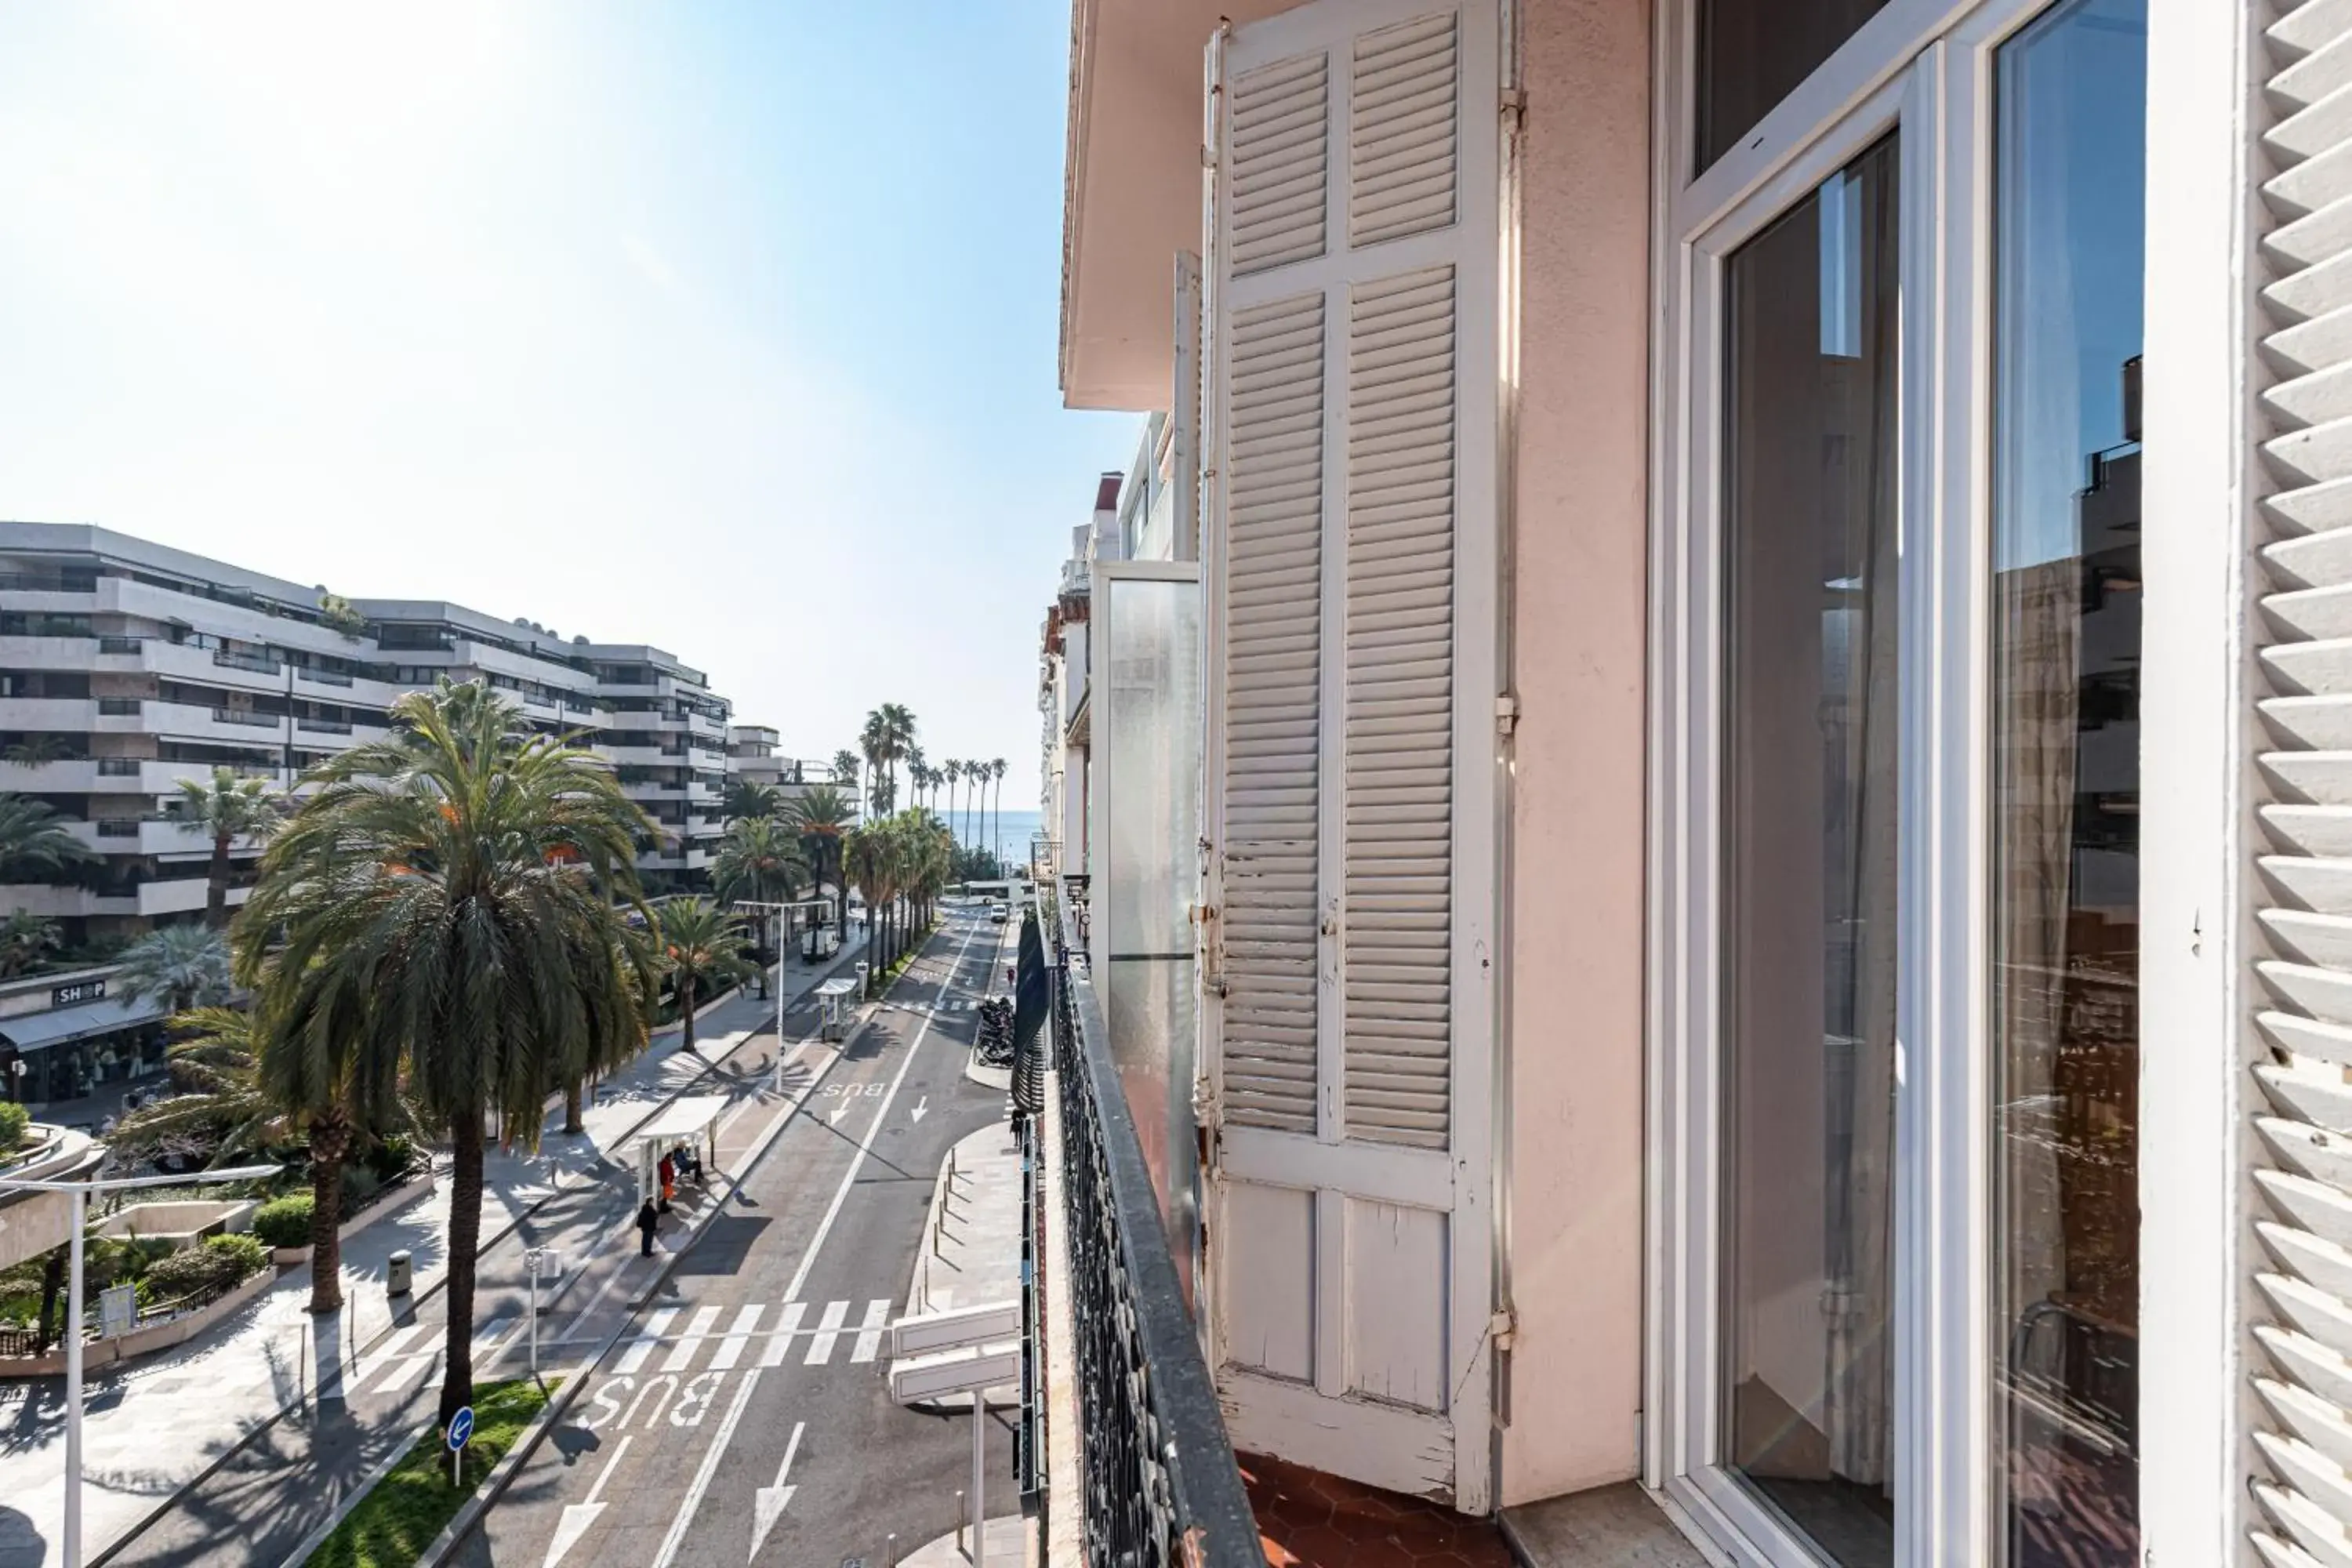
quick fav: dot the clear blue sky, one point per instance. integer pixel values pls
(728, 327)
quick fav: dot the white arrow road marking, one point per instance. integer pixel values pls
(702, 1477)
(920, 1106)
(799, 1280)
(579, 1516)
(769, 1504)
(839, 1111)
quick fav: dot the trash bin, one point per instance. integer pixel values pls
(395, 1274)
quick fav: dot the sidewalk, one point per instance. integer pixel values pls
(156, 1424)
(971, 1254)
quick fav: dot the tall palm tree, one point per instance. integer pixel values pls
(929, 861)
(996, 771)
(874, 746)
(819, 817)
(750, 798)
(225, 808)
(898, 723)
(844, 769)
(448, 905)
(758, 861)
(954, 770)
(702, 951)
(871, 860)
(35, 842)
(183, 966)
(220, 1104)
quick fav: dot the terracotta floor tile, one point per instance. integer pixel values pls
(1309, 1520)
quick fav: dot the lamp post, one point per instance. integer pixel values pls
(777, 987)
(81, 1191)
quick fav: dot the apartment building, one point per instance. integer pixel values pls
(1765, 875)
(755, 754)
(126, 667)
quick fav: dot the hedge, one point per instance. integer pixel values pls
(284, 1222)
(220, 1262)
(14, 1122)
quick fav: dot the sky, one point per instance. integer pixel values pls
(727, 327)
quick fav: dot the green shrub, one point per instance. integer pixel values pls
(391, 1158)
(284, 1222)
(16, 1122)
(221, 1261)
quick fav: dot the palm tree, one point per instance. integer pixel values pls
(870, 859)
(226, 809)
(819, 817)
(702, 947)
(874, 746)
(758, 861)
(748, 798)
(898, 725)
(997, 770)
(183, 966)
(954, 771)
(26, 940)
(449, 908)
(220, 1104)
(35, 842)
(35, 749)
(929, 861)
(844, 769)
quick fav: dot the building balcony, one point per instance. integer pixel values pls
(1116, 1398)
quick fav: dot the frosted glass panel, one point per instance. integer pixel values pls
(1148, 764)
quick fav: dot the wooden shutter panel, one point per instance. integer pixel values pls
(1273, 559)
(1351, 219)
(2302, 1127)
(1397, 879)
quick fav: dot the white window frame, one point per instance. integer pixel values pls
(1923, 70)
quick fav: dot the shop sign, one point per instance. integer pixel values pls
(81, 991)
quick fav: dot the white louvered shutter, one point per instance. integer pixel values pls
(1348, 549)
(2304, 1123)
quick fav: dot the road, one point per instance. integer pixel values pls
(745, 1415)
(359, 1416)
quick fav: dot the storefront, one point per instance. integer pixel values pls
(62, 1038)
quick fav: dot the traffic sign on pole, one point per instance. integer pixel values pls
(461, 1432)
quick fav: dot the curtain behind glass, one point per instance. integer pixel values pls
(1810, 940)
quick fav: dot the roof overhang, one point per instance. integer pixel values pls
(1131, 189)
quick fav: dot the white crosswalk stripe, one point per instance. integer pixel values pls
(682, 1354)
(827, 1333)
(782, 1340)
(730, 1349)
(643, 1345)
(869, 1337)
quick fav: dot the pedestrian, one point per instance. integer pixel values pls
(668, 1182)
(648, 1221)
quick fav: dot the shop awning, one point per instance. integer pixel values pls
(61, 1025)
(685, 1119)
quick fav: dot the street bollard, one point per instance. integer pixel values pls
(890, 1552)
(959, 1520)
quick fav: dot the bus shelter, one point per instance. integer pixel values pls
(833, 1000)
(691, 1122)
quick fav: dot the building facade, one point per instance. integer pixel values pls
(127, 667)
(1764, 884)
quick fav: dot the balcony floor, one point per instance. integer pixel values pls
(1308, 1519)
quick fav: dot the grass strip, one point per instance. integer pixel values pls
(416, 1501)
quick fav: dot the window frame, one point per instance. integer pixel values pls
(1922, 69)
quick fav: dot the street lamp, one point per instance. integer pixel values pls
(81, 1191)
(777, 987)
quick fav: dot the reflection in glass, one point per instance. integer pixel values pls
(1754, 53)
(2069, 243)
(1808, 519)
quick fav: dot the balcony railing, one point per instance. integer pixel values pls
(230, 659)
(323, 726)
(121, 644)
(1158, 1483)
(240, 715)
(324, 676)
(118, 707)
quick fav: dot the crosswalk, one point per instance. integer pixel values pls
(678, 1337)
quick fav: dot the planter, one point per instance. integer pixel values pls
(380, 1203)
(140, 1341)
(182, 1224)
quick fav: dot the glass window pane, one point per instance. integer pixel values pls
(2069, 238)
(1753, 53)
(1810, 855)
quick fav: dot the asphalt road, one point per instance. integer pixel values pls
(745, 1417)
(360, 1416)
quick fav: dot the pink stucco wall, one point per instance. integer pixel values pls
(1580, 540)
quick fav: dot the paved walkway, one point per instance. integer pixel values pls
(156, 1424)
(971, 1254)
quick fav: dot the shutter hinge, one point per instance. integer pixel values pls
(1502, 1329)
(1507, 714)
(1515, 108)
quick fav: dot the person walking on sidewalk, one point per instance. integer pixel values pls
(648, 1222)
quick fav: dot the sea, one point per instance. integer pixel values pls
(1010, 829)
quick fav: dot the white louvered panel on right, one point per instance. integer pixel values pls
(1397, 845)
(1281, 158)
(1274, 565)
(1401, 157)
(2304, 1133)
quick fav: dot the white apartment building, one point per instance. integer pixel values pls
(126, 667)
(755, 754)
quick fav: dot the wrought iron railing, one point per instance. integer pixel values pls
(1158, 1483)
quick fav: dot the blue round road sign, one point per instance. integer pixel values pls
(461, 1428)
